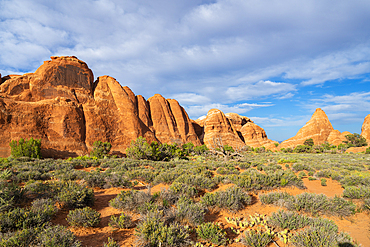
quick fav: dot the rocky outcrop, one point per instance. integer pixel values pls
(255, 136)
(61, 104)
(365, 129)
(233, 129)
(336, 137)
(218, 126)
(318, 128)
(171, 123)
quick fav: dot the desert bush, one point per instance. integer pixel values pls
(276, 198)
(183, 189)
(44, 207)
(212, 232)
(315, 236)
(253, 180)
(302, 149)
(357, 192)
(26, 148)
(95, 179)
(197, 181)
(22, 218)
(57, 236)
(72, 195)
(123, 221)
(311, 203)
(323, 182)
(355, 140)
(233, 199)
(244, 165)
(227, 170)
(111, 243)
(288, 220)
(131, 200)
(366, 205)
(201, 150)
(20, 238)
(190, 212)
(117, 180)
(10, 195)
(256, 238)
(85, 217)
(101, 149)
(153, 231)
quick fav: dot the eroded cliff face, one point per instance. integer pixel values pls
(61, 104)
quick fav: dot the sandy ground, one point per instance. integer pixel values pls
(357, 226)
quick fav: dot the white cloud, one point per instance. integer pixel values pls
(259, 89)
(195, 111)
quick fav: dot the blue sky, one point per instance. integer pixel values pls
(274, 61)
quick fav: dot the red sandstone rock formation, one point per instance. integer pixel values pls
(365, 130)
(318, 128)
(61, 104)
(217, 125)
(336, 138)
(255, 136)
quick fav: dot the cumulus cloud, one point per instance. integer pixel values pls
(195, 111)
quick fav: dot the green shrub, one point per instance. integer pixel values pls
(26, 148)
(132, 200)
(323, 182)
(310, 202)
(256, 238)
(233, 199)
(355, 140)
(111, 243)
(189, 212)
(288, 220)
(183, 189)
(314, 236)
(72, 195)
(123, 221)
(366, 205)
(58, 236)
(85, 217)
(212, 232)
(197, 181)
(153, 231)
(357, 192)
(20, 238)
(100, 149)
(22, 218)
(274, 197)
(201, 150)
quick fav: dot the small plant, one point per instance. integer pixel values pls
(192, 213)
(131, 200)
(323, 182)
(85, 217)
(288, 220)
(100, 149)
(72, 195)
(111, 243)
(152, 231)
(57, 236)
(212, 232)
(233, 199)
(256, 238)
(123, 221)
(26, 148)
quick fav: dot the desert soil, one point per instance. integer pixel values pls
(357, 225)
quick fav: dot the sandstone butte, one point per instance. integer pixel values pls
(62, 105)
(232, 129)
(319, 129)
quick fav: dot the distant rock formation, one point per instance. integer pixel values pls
(62, 105)
(319, 129)
(233, 129)
(365, 129)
